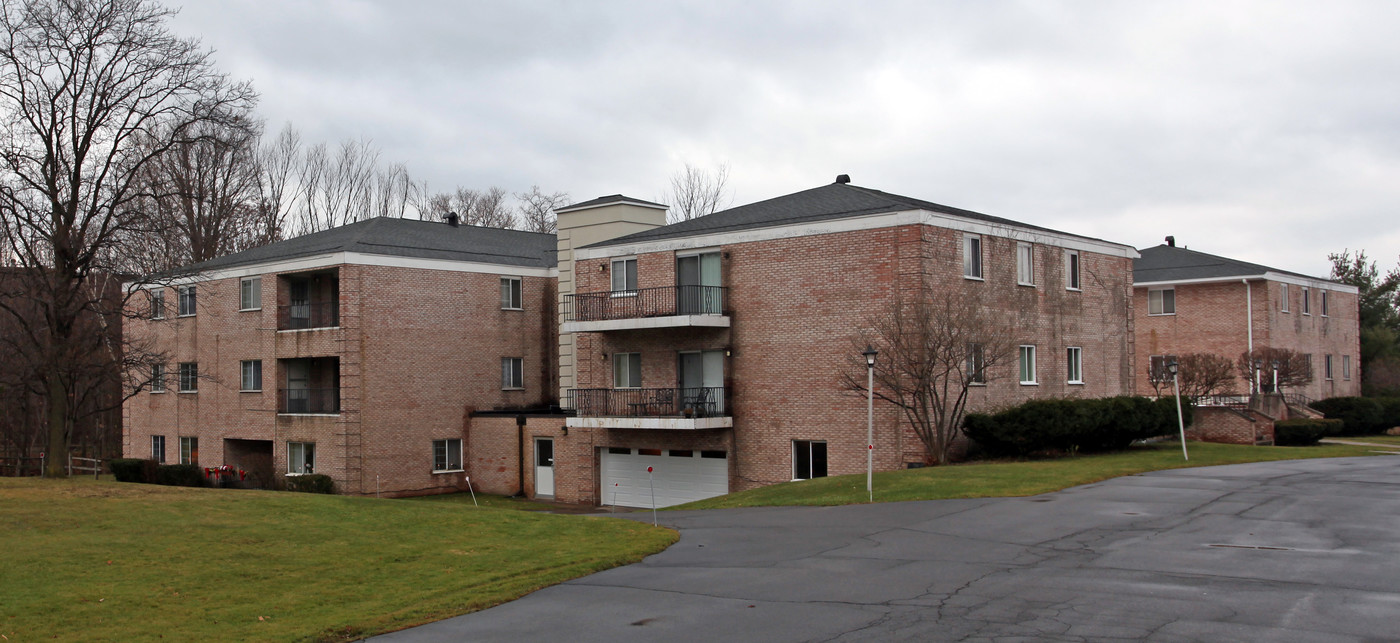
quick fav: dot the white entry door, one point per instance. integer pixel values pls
(544, 467)
(678, 476)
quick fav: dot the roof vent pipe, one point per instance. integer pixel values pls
(452, 219)
(1171, 241)
(843, 178)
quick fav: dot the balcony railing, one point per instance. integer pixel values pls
(646, 302)
(647, 402)
(308, 400)
(299, 316)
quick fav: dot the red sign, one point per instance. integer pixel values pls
(648, 469)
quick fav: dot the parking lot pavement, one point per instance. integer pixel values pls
(1305, 550)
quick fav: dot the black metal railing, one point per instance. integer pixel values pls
(308, 400)
(1298, 399)
(299, 316)
(646, 302)
(1233, 401)
(646, 402)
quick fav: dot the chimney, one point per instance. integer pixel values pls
(452, 219)
(1171, 241)
(843, 178)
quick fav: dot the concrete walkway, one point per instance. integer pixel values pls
(1305, 550)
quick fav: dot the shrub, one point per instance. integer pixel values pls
(1390, 412)
(133, 469)
(1359, 415)
(311, 483)
(1070, 425)
(1303, 432)
(180, 475)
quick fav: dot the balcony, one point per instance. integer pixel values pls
(304, 316)
(308, 401)
(665, 307)
(649, 408)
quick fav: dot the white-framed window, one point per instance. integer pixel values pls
(512, 372)
(301, 457)
(250, 293)
(511, 295)
(1072, 270)
(1027, 364)
(158, 378)
(976, 364)
(1161, 301)
(189, 377)
(1157, 367)
(1307, 300)
(185, 301)
(251, 375)
(1327, 366)
(189, 450)
(158, 448)
(808, 459)
(627, 370)
(1025, 264)
(1074, 362)
(447, 455)
(158, 303)
(1283, 297)
(1346, 367)
(624, 275)
(1307, 362)
(1323, 295)
(972, 256)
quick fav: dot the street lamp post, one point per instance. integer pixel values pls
(1180, 423)
(870, 354)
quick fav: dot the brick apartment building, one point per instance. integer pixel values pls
(357, 352)
(1192, 302)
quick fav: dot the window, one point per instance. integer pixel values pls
(189, 450)
(1072, 269)
(158, 448)
(158, 303)
(1161, 302)
(185, 301)
(1307, 363)
(972, 256)
(189, 377)
(1028, 365)
(1157, 367)
(252, 375)
(1283, 297)
(1346, 367)
(1307, 304)
(627, 370)
(976, 364)
(1324, 303)
(250, 293)
(624, 275)
(1327, 366)
(158, 378)
(1025, 264)
(808, 459)
(512, 373)
(1074, 359)
(447, 455)
(301, 457)
(510, 294)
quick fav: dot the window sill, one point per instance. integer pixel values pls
(188, 392)
(1021, 283)
(184, 316)
(303, 330)
(437, 471)
(250, 310)
(1071, 289)
(1030, 383)
(161, 318)
(977, 384)
(294, 475)
(251, 390)
(971, 278)
(1161, 314)
(1075, 383)
(516, 309)
(158, 392)
(513, 388)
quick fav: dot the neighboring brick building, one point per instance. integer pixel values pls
(360, 352)
(1192, 302)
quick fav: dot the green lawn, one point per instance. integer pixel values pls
(106, 561)
(985, 479)
(485, 500)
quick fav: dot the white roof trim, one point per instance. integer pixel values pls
(623, 201)
(866, 222)
(1269, 276)
(327, 260)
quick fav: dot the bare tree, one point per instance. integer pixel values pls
(1293, 369)
(696, 192)
(1198, 375)
(932, 351)
(537, 209)
(278, 191)
(475, 207)
(337, 187)
(84, 88)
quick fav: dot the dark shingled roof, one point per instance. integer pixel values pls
(1172, 263)
(834, 201)
(404, 238)
(604, 200)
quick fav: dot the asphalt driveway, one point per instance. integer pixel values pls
(1283, 551)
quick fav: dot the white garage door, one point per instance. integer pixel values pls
(679, 476)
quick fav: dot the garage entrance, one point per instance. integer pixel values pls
(679, 476)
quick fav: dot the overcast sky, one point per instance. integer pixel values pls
(1264, 131)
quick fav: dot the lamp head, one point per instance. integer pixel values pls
(1172, 368)
(870, 354)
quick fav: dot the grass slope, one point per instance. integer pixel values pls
(1004, 478)
(105, 561)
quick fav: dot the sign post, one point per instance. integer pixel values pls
(653, 496)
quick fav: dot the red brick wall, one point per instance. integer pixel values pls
(1213, 424)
